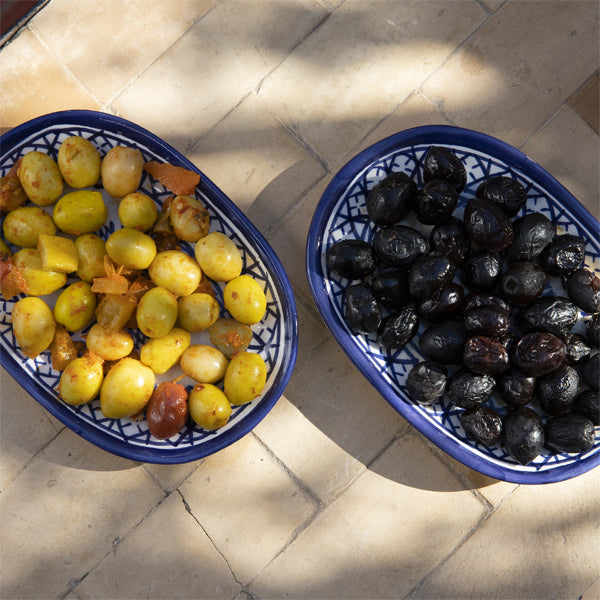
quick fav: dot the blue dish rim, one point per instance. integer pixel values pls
(113, 445)
(433, 134)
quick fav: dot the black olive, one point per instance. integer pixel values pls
(563, 254)
(539, 353)
(399, 328)
(516, 388)
(583, 287)
(428, 274)
(578, 348)
(481, 270)
(466, 389)
(487, 320)
(483, 424)
(363, 310)
(478, 299)
(522, 282)
(435, 202)
(485, 355)
(589, 370)
(588, 404)
(533, 232)
(442, 163)
(399, 245)
(391, 199)
(443, 342)
(426, 382)
(507, 192)
(352, 259)
(510, 341)
(523, 434)
(592, 329)
(390, 285)
(451, 239)
(552, 314)
(571, 433)
(443, 304)
(556, 391)
(488, 225)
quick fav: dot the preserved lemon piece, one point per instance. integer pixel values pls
(39, 282)
(197, 312)
(80, 212)
(137, 211)
(218, 257)
(79, 162)
(176, 271)
(40, 177)
(115, 310)
(62, 349)
(121, 171)
(156, 312)
(33, 325)
(58, 253)
(90, 257)
(24, 225)
(109, 345)
(81, 380)
(209, 406)
(204, 363)
(245, 300)
(131, 248)
(75, 306)
(161, 354)
(245, 377)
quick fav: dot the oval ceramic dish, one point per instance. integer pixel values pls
(275, 337)
(341, 213)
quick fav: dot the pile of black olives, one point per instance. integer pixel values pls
(470, 292)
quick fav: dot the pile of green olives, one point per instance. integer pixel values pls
(137, 279)
(470, 292)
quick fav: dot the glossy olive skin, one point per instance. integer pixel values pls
(552, 314)
(487, 320)
(485, 355)
(444, 303)
(590, 371)
(557, 391)
(443, 342)
(391, 199)
(352, 259)
(428, 274)
(362, 309)
(592, 329)
(577, 347)
(588, 404)
(483, 424)
(522, 282)
(506, 192)
(488, 225)
(532, 233)
(479, 299)
(426, 382)
(523, 434)
(466, 389)
(435, 202)
(563, 254)
(399, 245)
(390, 285)
(450, 239)
(167, 410)
(539, 353)
(481, 270)
(442, 163)
(399, 328)
(516, 388)
(572, 433)
(583, 287)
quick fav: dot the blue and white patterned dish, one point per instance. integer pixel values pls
(275, 337)
(341, 213)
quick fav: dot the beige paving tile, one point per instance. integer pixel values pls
(518, 68)
(586, 101)
(168, 555)
(123, 38)
(247, 504)
(568, 149)
(360, 64)
(311, 332)
(206, 73)
(62, 514)
(170, 476)
(33, 83)
(541, 543)
(492, 4)
(381, 536)
(593, 592)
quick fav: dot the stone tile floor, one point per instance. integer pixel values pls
(333, 495)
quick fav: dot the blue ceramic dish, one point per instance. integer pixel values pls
(341, 213)
(275, 337)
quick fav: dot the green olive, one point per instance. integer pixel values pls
(176, 271)
(137, 211)
(189, 218)
(230, 336)
(209, 406)
(197, 312)
(80, 212)
(109, 345)
(39, 282)
(81, 380)
(40, 177)
(24, 225)
(245, 299)
(79, 162)
(161, 354)
(131, 248)
(75, 306)
(121, 171)
(245, 378)
(156, 312)
(33, 325)
(218, 257)
(91, 251)
(204, 363)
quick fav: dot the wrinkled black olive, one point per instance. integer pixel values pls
(552, 314)
(391, 199)
(523, 434)
(589, 370)
(481, 270)
(539, 353)
(507, 192)
(451, 239)
(428, 274)
(578, 348)
(443, 304)
(488, 225)
(510, 341)
(466, 389)
(522, 282)
(487, 320)
(571, 433)
(399, 328)
(352, 259)
(588, 404)
(533, 232)
(516, 388)
(390, 285)
(426, 382)
(443, 342)
(592, 329)
(485, 355)
(478, 299)
(399, 245)
(556, 391)
(563, 254)
(435, 202)
(583, 287)
(483, 424)
(363, 310)
(442, 163)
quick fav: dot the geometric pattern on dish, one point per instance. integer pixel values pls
(269, 335)
(349, 219)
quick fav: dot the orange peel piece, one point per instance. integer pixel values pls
(178, 180)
